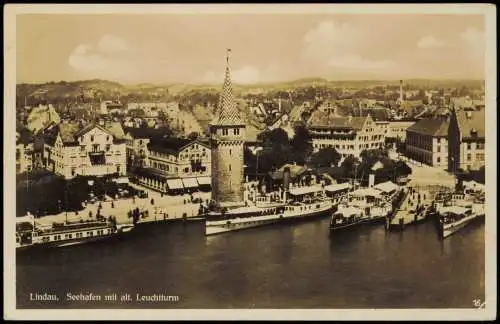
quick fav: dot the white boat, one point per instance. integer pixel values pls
(345, 217)
(454, 218)
(30, 234)
(306, 202)
(373, 205)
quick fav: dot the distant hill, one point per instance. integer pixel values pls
(97, 88)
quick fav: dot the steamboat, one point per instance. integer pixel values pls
(365, 205)
(303, 203)
(30, 234)
(458, 212)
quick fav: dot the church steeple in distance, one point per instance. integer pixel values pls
(227, 136)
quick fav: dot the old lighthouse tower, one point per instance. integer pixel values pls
(227, 136)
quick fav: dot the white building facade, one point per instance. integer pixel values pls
(93, 150)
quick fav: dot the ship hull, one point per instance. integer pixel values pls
(121, 230)
(343, 226)
(452, 228)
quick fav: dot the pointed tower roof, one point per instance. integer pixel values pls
(227, 112)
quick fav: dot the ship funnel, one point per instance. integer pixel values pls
(286, 182)
(286, 179)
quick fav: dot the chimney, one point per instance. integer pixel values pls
(401, 98)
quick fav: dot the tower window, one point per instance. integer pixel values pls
(230, 151)
(230, 167)
(225, 131)
(236, 131)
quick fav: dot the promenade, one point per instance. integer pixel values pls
(163, 208)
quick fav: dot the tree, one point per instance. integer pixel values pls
(250, 161)
(301, 144)
(277, 150)
(350, 167)
(325, 157)
(370, 157)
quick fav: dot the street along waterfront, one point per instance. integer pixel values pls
(297, 265)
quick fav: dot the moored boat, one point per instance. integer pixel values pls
(30, 234)
(304, 203)
(345, 217)
(454, 218)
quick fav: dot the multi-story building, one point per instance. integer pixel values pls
(137, 139)
(72, 149)
(348, 135)
(175, 164)
(397, 129)
(466, 138)
(24, 150)
(427, 141)
(111, 107)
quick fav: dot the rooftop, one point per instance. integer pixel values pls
(171, 145)
(329, 120)
(470, 121)
(430, 126)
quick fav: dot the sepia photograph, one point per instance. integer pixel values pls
(250, 162)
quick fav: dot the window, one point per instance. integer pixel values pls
(186, 170)
(107, 138)
(230, 167)
(439, 149)
(225, 131)
(91, 138)
(82, 148)
(108, 147)
(469, 157)
(230, 151)
(236, 131)
(469, 146)
(480, 156)
(438, 160)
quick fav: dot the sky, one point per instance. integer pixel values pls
(191, 48)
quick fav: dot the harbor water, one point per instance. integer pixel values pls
(296, 265)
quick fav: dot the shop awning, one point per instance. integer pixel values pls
(190, 183)
(174, 184)
(204, 181)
